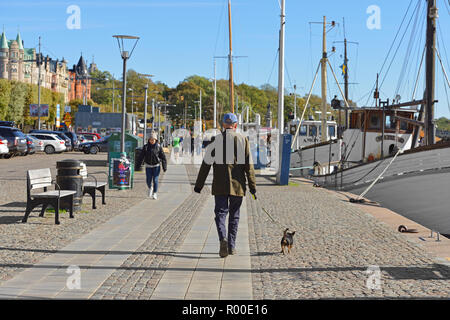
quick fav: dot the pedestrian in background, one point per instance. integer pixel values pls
(153, 156)
(229, 180)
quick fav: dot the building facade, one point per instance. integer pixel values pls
(18, 63)
(80, 83)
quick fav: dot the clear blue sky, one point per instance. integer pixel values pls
(180, 37)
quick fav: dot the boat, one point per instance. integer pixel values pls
(389, 153)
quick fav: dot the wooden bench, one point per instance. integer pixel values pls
(90, 187)
(42, 178)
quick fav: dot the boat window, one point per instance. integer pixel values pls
(403, 125)
(332, 131)
(390, 122)
(303, 129)
(374, 122)
(312, 131)
(320, 130)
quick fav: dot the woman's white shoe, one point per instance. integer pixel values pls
(155, 196)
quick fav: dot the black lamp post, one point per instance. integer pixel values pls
(125, 56)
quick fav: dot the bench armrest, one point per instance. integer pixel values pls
(90, 175)
(107, 177)
(57, 185)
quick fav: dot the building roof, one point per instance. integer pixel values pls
(19, 41)
(4, 42)
(81, 68)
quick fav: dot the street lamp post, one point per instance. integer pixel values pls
(145, 105)
(125, 56)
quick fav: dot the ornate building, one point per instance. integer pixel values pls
(20, 64)
(80, 83)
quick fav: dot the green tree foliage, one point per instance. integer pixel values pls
(443, 124)
(16, 101)
(5, 95)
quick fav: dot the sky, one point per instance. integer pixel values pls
(179, 38)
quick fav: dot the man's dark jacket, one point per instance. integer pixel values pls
(229, 177)
(153, 154)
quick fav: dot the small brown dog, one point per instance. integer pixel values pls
(287, 241)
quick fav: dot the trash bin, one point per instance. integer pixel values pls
(68, 177)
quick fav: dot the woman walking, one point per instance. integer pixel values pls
(153, 156)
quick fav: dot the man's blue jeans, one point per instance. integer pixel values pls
(153, 175)
(225, 205)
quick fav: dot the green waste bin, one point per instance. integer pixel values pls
(121, 165)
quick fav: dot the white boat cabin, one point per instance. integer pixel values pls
(363, 138)
(311, 132)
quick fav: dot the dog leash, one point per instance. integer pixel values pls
(265, 211)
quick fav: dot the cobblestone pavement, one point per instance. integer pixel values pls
(24, 244)
(334, 245)
(139, 275)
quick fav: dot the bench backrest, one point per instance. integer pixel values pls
(39, 178)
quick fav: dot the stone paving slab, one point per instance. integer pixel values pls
(98, 253)
(197, 271)
(339, 250)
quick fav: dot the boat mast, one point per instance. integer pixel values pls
(230, 59)
(281, 71)
(432, 14)
(324, 81)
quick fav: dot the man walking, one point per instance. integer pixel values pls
(229, 155)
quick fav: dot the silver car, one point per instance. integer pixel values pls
(3, 146)
(52, 143)
(38, 144)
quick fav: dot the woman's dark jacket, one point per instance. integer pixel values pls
(153, 154)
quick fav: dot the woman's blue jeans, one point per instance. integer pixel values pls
(153, 175)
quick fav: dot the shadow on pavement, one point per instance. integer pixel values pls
(397, 273)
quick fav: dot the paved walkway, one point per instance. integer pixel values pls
(168, 249)
(195, 271)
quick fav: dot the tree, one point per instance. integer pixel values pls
(5, 95)
(16, 102)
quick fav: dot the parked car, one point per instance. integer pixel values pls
(11, 124)
(93, 147)
(17, 142)
(3, 147)
(81, 138)
(38, 144)
(91, 136)
(73, 139)
(31, 149)
(60, 134)
(52, 142)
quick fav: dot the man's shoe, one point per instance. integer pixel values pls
(231, 251)
(223, 248)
